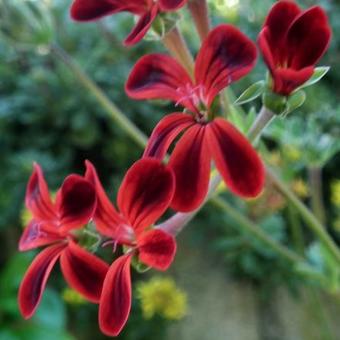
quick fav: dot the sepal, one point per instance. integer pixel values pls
(252, 92)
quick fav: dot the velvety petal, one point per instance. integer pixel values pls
(158, 76)
(83, 271)
(171, 5)
(190, 161)
(226, 55)
(287, 80)
(235, 158)
(157, 249)
(146, 192)
(277, 23)
(108, 221)
(165, 132)
(37, 234)
(144, 23)
(266, 51)
(35, 279)
(86, 10)
(37, 198)
(76, 202)
(115, 301)
(308, 38)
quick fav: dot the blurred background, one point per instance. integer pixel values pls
(224, 284)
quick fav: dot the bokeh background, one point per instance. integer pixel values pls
(224, 284)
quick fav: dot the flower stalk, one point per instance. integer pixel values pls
(200, 14)
(263, 119)
(315, 184)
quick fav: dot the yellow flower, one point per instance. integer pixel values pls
(161, 296)
(72, 297)
(292, 153)
(335, 189)
(300, 187)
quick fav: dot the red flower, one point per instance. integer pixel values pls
(225, 56)
(292, 41)
(147, 10)
(144, 195)
(52, 224)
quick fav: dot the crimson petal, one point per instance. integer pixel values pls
(165, 132)
(235, 158)
(115, 301)
(76, 202)
(38, 234)
(158, 76)
(308, 37)
(35, 279)
(108, 221)
(157, 249)
(37, 198)
(226, 55)
(83, 271)
(190, 161)
(146, 192)
(171, 5)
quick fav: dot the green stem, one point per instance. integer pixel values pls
(256, 231)
(305, 213)
(263, 119)
(315, 184)
(200, 13)
(138, 136)
(296, 229)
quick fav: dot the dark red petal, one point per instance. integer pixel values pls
(157, 249)
(76, 202)
(235, 158)
(308, 38)
(287, 80)
(277, 24)
(38, 234)
(142, 26)
(146, 192)
(108, 221)
(35, 279)
(86, 10)
(158, 76)
(115, 301)
(171, 5)
(83, 271)
(226, 55)
(263, 42)
(165, 132)
(37, 198)
(190, 161)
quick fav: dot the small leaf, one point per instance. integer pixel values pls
(251, 93)
(294, 101)
(318, 74)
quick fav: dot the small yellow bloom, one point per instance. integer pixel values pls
(292, 153)
(161, 296)
(335, 192)
(300, 187)
(72, 297)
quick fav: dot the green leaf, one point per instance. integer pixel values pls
(252, 92)
(318, 74)
(294, 101)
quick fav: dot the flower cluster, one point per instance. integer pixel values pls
(291, 42)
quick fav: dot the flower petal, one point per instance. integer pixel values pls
(287, 80)
(190, 161)
(171, 5)
(35, 279)
(115, 301)
(83, 271)
(108, 221)
(277, 23)
(263, 42)
(226, 55)
(157, 249)
(38, 234)
(308, 38)
(143, 25)
(235, 158)
(146, 192)
(37, 198)
(76, 202)
(158, 76)
(165, 132)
